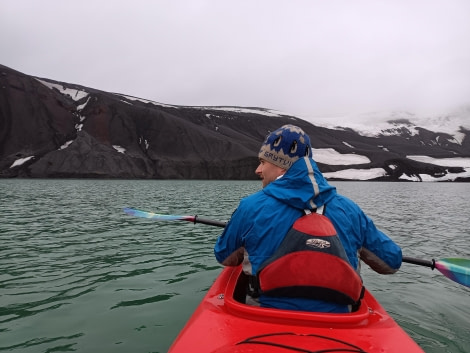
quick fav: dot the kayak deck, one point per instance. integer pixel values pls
(223, 323)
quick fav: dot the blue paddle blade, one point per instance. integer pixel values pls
(455, 269)
(156, 216)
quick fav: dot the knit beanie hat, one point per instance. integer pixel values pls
(285, 146)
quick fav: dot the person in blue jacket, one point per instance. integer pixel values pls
(292, 184)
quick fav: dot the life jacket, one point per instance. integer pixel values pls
(311, 263)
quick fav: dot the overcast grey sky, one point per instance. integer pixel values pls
(304, 57)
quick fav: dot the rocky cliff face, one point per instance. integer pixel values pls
(55, 129)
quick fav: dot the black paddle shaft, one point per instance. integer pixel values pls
(210, 222)
(415, 261)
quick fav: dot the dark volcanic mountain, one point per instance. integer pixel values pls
(61, 130)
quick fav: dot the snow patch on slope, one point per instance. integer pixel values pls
(21, 161)
(356, 174)
(444, 162)
(75, 94)
(261, 111)
(332, 157)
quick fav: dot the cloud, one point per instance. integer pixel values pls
(302, 57)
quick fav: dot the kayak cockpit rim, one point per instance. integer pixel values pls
(234, 303)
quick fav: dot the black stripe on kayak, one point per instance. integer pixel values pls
(255, 340)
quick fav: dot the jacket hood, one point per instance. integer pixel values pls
(302, 186)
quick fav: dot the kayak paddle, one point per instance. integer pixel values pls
(457, 270)
(163, 217)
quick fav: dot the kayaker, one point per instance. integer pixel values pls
(292, 185)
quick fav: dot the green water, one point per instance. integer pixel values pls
(78, 275)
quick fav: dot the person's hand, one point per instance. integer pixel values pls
(235, 258)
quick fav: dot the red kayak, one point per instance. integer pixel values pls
(222, 323)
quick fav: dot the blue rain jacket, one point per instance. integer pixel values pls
(262, 220)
